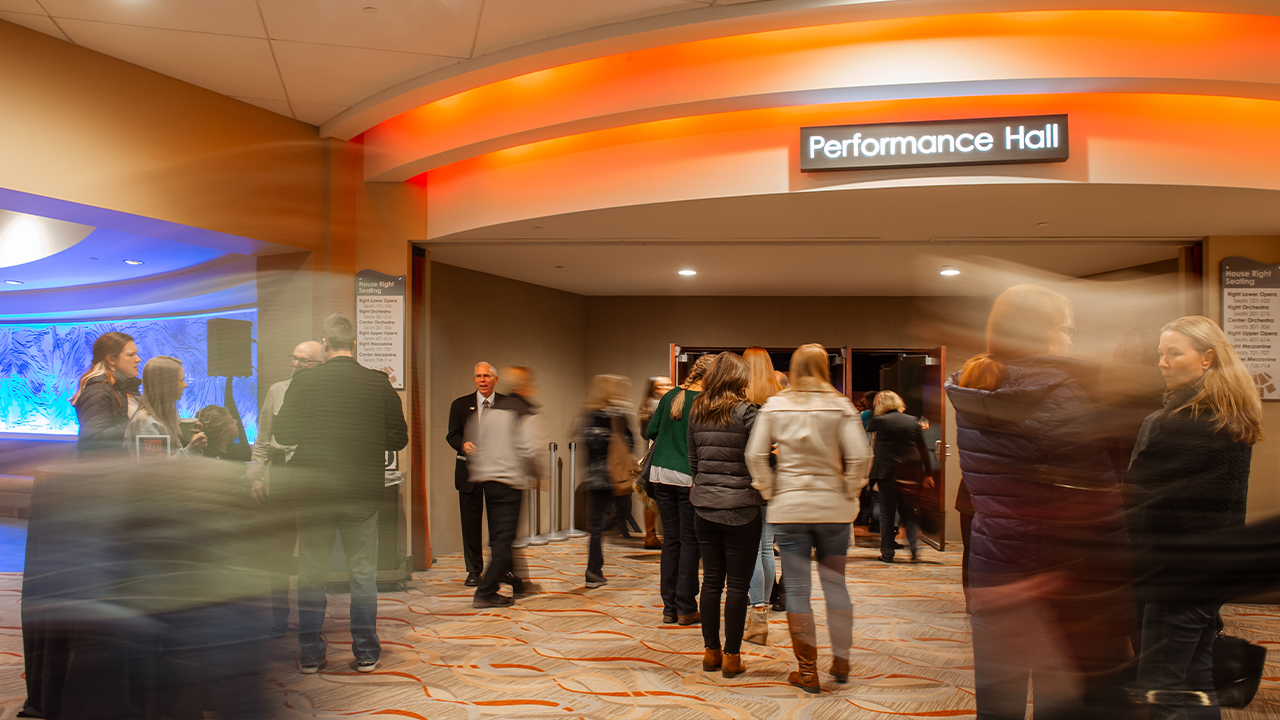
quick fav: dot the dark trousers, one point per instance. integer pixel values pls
(472, 506)
(623, 515)
(728, 554)
(317, 530)
(1177, 658)
(680, 551)
(890, 504)
(601, 501)
(504, 504)
(278, 534)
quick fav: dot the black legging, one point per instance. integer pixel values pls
(728, 553)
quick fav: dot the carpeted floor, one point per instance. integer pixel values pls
(570, 652)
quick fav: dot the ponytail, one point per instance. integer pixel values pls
(700, 367)
(982, 372)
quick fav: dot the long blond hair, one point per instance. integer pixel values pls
(725, 389)
(1022, 321)
(161, 389)
(1227, 391)
(764, 384)
(700, 368)
(608, 391)
(810, 369)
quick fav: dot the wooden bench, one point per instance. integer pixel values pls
(15, 495)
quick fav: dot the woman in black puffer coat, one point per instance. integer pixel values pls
(728, 519)
(108, 395)
(1189, 475)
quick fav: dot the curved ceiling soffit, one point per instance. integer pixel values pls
(827, 96)
(709, 23)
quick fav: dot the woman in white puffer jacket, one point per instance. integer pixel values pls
(823, 458)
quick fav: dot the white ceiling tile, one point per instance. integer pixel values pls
(434, 27)
(316, 113)
(508, 23)
(229, 17)
(39, 23)
(30, 7)
(239, 67)
(276, 106)
(332, 75)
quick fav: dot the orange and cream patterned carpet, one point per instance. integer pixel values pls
(569, 652)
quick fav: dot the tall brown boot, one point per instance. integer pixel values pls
(804, 643)
(651, 540)
(840, 623)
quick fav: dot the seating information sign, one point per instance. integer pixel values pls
(380, 312)
(1250, 306)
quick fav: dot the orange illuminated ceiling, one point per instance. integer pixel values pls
(941, 56)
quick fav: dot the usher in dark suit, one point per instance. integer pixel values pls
(900, 454)
(470, 495)
(343, 417)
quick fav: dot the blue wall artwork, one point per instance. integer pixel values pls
(40, 366)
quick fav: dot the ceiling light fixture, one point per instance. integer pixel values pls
(688, 273)
(948, 270)
(132, 262)
(371, 9)
(1043, 224)
(13, 282)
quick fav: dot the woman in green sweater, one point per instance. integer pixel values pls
(669, 475)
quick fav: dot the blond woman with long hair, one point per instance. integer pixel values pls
(762, 386)
(605, 412)
(671, 480)
(1190, 474)
(1045, 609)
(163, 382)
(822, 459)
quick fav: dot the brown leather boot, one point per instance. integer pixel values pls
(732, 665)
(651, 539)
(804, 644)
(757, 630)
(840, 669)
(711, 660)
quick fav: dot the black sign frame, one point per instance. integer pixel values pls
(855, 143)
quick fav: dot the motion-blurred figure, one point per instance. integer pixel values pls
(277, 528)
(342, 418)
(108, 395)
(813, 499)
(509, 457)
(655, 388)
(900, 453)
(1045, 607)
(220, 428)
(1190, 475)
(470, 496)
(605, 418)
(762, 386)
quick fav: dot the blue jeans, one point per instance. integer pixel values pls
(1177, 657)
(797, 542)
(766, 573)
(317, 528)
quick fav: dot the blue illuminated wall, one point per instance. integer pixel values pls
(40, 365)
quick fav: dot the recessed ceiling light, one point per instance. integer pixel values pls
(948, 270)
(688, 272)
(13, 282)
(93, 258)
(559, 267)
(371, 9)
(132, 262)
(1043, 224)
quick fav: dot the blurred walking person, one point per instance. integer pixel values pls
(813, 498)
(672, 482)
(604, 429)
(470, 496)
(762, 386)
(727, 509)
(343, 418)
(1189, 475)
(1047, 605)
(901, 459)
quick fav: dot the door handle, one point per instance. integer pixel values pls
(941, 450)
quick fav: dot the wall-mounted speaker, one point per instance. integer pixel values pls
(229, 347)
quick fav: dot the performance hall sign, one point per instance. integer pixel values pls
(987, 141)
(1250, 306)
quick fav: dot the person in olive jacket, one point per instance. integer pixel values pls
(728, 519)
(108, 394)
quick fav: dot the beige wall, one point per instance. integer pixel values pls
(474, 317)
(1264, 478)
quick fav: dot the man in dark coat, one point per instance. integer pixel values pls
(470, 496)
(342, 417)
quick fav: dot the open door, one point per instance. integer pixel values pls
(933, 409)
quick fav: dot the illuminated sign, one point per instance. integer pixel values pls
(987, 141)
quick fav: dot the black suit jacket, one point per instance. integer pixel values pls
(900, 450)
(459, 413)
(343, 417)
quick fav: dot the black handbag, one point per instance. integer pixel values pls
(1237, 669)
(646, 467)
